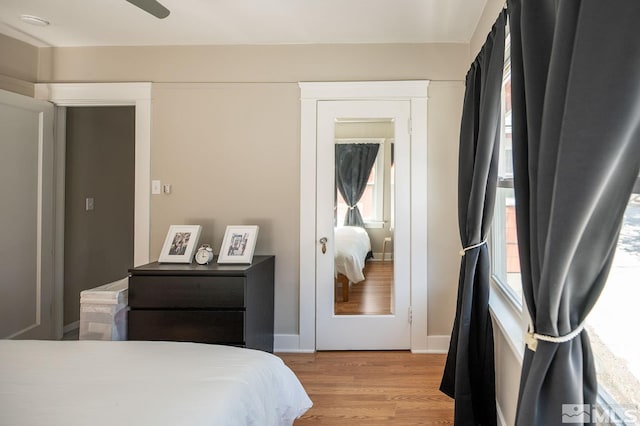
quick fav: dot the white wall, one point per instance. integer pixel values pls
(444, 116)
(487, 19)
(231, 153)
(508, 365)
(226, 129)
(19, 66)
(230, 116)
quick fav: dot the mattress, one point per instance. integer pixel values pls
(352, 244)
(144, 383)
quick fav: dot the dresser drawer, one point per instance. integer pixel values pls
(186, 292)
(225, 327)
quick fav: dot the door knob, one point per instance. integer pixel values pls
(323, 241)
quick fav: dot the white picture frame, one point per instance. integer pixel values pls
(238, 244)
(180, 244)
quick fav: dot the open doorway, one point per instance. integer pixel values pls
(64, 95)
(99, 200)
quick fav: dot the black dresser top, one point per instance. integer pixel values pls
(212, 269)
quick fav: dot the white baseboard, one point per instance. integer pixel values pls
(377, 257)
(435, 345)
(70, 327)
(290, 343)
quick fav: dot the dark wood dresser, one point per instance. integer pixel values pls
(224, 304)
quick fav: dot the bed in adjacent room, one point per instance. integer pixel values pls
(144, 383)
(352, 246)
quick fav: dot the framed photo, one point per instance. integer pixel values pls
(238, 244)
(180, 244)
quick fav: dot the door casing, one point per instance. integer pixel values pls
(313, 92)
(100, 94)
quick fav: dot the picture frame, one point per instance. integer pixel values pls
(180, 244)
(238, 244)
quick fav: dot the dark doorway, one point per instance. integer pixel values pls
(99, 200)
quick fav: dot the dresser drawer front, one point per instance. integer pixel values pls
(186, 292)
(226, 327)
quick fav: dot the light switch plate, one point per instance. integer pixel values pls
(89, 204)
(155, 187)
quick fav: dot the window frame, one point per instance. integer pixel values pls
(497, 237)
(498, 247)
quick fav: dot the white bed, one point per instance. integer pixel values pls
(352, 244)
(144, 383)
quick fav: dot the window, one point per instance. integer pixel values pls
(504, 240)
(371, 204)
(612, 321)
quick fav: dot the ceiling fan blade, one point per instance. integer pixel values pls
(152, 7)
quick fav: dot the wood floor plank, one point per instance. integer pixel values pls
(372, 388)
(372, 296)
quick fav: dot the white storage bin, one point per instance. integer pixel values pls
(103, 312)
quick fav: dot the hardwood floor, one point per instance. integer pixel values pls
(373, 296)
(372, 388)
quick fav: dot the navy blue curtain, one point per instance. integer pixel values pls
(353, 167)
(469, 370)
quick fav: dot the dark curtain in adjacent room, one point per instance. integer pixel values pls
(353, 167)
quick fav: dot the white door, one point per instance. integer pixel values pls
(26, 217)
(352, 332)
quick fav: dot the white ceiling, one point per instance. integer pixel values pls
(197, 22)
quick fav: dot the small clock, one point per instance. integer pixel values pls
(204, 255)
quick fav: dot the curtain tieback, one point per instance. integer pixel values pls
(352, 207)
(531, 337)
(466, 249)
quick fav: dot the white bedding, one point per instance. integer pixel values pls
(352, 244)
(144, 383)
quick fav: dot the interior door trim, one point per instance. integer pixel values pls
(414, 91)
(101, 94)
